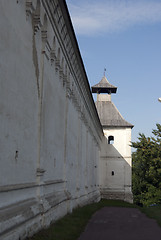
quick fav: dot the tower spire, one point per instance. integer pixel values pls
(104, 86)
(104, 71)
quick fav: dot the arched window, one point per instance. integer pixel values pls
(111, 140)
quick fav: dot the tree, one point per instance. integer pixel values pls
(146, 168)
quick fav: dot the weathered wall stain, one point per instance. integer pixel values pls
(35, 59)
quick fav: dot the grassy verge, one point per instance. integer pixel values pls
(153, 212)
(71, 226)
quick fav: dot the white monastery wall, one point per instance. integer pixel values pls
(115, 165)
(54, 156)
(50, 132)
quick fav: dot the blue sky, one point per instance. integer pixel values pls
(123, 36)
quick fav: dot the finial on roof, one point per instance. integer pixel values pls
(104, 86)
(104, 71)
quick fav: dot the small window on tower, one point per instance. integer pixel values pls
(111, 140)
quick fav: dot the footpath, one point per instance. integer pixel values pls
(117, 223)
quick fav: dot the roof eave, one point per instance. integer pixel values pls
(118, 126)
(103, 90)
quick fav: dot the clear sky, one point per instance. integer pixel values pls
(123, 36)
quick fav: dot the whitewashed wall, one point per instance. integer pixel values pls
(115, 165)
(50, 132)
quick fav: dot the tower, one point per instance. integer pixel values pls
(115, 157)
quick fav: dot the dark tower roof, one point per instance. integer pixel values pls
(107, 111)
(110, 116)
(104, 87)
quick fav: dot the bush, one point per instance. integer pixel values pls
(146, 170)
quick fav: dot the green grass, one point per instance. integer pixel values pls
(153, 212)
(71, 226)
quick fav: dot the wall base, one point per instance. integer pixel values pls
(117, 195)
(25, 218)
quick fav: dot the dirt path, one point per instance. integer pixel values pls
(115, 223)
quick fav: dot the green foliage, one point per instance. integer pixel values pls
(147, 169)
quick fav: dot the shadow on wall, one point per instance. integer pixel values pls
(115, 172)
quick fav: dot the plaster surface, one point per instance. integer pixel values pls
(54, 153)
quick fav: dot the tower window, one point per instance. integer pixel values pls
(111, 140)
(112, 173)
